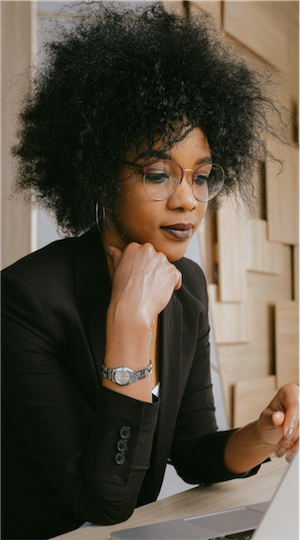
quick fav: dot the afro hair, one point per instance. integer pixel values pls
(117, 77)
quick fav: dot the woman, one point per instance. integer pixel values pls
(106, 376)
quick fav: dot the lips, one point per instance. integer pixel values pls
(180, 231)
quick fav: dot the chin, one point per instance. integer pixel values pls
(175, 254)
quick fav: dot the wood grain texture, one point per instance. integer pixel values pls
(262, 255)
(256, 359)
(287, 342)
(173, 6)
(231, 320)
(212, 7)
(260, 27)
(296, 273)
(231, 252)
(16, 55)
(283, 194)
(250, 398)
(207, 236)
(298, 99)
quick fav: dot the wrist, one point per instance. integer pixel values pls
(124, 316)
(132, 346)
(124, 375)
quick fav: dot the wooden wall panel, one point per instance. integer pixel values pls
(231, 321)
(298, 99)
(212, 7)
(231, 252)
(262, 255)
(207, 236)
(287, 342)
(250, 398)
(296, 273)
(256, 358)
(283, 194)
(174, 6)
(248, 262)
(16, 55)
(259, 26)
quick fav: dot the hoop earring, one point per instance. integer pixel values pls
(101, 226)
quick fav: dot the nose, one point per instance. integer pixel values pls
(184, 198)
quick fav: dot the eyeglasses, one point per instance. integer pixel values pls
(162, 178)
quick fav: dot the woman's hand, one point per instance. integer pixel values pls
(143, 281)
(278, 424)
(276, 430)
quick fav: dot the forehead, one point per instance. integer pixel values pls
(193, 144)
(189, 141)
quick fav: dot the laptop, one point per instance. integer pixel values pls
(275, 520)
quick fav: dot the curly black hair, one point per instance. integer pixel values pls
(119, 77)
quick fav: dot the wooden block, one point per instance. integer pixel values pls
(272, 287)
(287, 342)
(173, 6)
(207, 234)
(17, 48)
(296, 273)
(298, 108)
(212, 7)
(260, 26)
(230, 320)
(283, 194)
(262, 255)
(256, 359)
(250, 398)
(231, 252)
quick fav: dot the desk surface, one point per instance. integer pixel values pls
(196, 501)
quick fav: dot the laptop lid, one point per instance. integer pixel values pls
(282, 518)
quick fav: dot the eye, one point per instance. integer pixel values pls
(157, 173)
(156, 177)
(201, 179)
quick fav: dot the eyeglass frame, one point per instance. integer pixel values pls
(146, 167)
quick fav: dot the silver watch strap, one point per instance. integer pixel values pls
(124, 375)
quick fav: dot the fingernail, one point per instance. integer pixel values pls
(281, 451)
(289, 456)
(108, 250)
(289, 432)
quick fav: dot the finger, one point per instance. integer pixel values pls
(291, 452)
(179, 281)
(291, 404)
(278, 418)
(116, 255)
(285, 403)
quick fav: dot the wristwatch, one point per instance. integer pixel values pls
(124, 375)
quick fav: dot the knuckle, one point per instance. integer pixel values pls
(131, 247)
(148, 248)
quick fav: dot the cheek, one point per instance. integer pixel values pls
(202, 209)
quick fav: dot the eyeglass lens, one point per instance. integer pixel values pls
(162, 178)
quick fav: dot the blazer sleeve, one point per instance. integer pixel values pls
(95, 459)
(198, 447)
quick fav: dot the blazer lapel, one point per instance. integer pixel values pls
(170, 352)
(93, 289)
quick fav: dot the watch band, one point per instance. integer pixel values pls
(124, 375)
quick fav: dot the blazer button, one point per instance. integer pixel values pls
(122, 445)
(120, 458)
(125, 432)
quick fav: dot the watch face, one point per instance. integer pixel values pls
(122, 376)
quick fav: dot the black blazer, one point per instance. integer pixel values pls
(63, 462)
